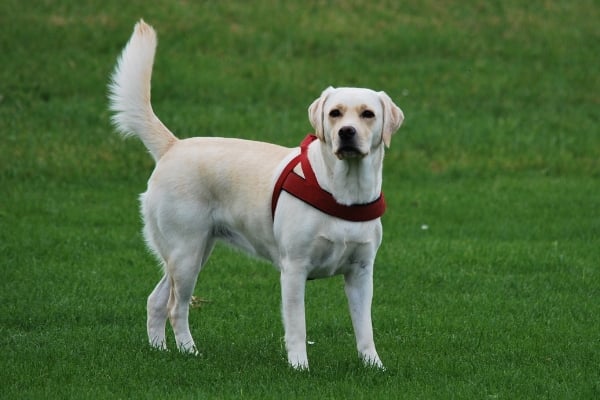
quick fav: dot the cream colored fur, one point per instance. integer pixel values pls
(206, 189)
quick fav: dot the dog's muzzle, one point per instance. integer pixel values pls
(347, 144)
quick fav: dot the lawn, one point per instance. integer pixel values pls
(487, 285)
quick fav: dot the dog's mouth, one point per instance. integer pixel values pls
(346, 152)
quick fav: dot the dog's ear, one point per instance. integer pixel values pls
(315, 113)
(392, 118)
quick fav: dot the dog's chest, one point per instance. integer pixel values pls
(341, 249)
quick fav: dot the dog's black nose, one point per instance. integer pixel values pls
(347, 132)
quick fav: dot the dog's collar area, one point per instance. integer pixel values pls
(308, 190)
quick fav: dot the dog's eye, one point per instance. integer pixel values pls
(367, 114)
(335, 113)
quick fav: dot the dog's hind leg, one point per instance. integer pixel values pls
(183, 269)
(158, 313)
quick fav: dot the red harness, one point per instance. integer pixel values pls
(308, 190)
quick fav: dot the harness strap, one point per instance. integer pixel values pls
(308, 190)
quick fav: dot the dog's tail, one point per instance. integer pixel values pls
(129, 93)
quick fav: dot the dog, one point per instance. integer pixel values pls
(206, 189)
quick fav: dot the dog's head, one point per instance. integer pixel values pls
(353, 121)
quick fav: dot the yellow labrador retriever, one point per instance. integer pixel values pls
(207, 189)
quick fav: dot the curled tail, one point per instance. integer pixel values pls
(129, 93)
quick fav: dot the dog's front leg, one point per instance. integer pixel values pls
(292, 292)
(359, 290)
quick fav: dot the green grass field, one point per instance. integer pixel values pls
(499, 158)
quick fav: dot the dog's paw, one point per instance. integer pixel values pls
(189, 349)
(372, 361)
(298, 362)
(159, 344)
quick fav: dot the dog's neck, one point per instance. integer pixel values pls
(351, 181)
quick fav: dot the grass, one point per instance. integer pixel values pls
(499, 159)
